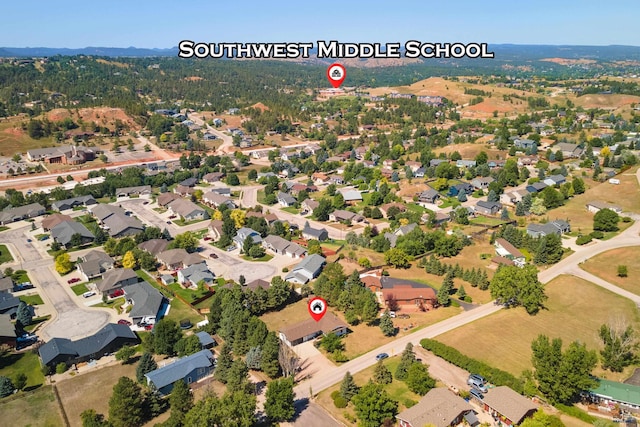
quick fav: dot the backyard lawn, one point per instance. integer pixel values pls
(23, 408)
(27, 363)
(575, 311)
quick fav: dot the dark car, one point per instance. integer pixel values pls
(124, 322)
(382, 356)
(476, 393)
(168, 222)
(214, 256)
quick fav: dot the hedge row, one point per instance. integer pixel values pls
(493, 375)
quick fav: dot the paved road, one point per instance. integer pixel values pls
(227, 141)
(309, 414)
(69, 320)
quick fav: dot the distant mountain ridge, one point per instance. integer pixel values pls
(502, 52)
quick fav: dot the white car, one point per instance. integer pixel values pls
(88, 294)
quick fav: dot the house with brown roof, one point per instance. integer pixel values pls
(308, 205)
(183, 190)
(438, 408)
(154, 246)
(214, 199)
(213, 177)
(320, 178)
(408, 296)
(400, 206)
(507, 250)
(115, 279)
(165, 198)
(51, 221)
(507, 405)
(215, 229)
(310, 329)
(174, 259)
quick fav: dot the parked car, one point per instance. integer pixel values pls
(404, 316)
(116, 293)
(172, 217)
(148, 327)
(45, 237)
(145, 202)
(477, 378)
(382, 356)
(207, 238)
(214, 256)
(477, 382)
(476, 393)
(29, 240)
(124, 322)
(168, 222)
(73, 280)
(88, 294)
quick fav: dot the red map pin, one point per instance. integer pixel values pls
(336, 74)
(317, 308)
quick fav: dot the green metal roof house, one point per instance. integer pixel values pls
(612, 393)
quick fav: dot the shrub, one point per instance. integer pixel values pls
(340, 402)
(626, 219)
(583, 240)
(468, 299)
(622, 271)
(597, 234)
(409, 403)
(61, 368)
(285, 270)
(493, 375)
(335, 394)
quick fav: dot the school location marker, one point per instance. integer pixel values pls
(336, 74)
(317, 308)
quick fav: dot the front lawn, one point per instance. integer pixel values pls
(4, 228)
(32, 299)
(21, 276)
(5, 255)
(36, 321)
(181, 222)
(80, 288)
(264, 258)
(114, 303)
(484, 220)
(291, 209)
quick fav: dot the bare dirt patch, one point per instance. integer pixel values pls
(567, 61)
(103, 116)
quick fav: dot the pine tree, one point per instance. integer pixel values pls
(166, 235)
(483, 283)
(381, 374)
(126, 404)
(461, 292)
(223, 365)
(270, 352)
(386, 325)
(492, 197)
(520, 211)
(23, 315)
(254, 358)
(145, 365)
(505, 214)
(348, 387)
(407, 358)
(181, 401)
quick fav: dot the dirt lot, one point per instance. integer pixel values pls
(575, 310)
(103, 116)
(38, 408)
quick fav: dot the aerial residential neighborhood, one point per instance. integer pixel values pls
(235, 242)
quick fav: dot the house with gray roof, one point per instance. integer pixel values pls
(63, 205)
(194, 274)
(558, 227)
(351, 196)
(7, 331)
(341, 215)
(187, 210)
(307, 269)
(482, 183)
(116, 221)
(309, 329)
(10, 215)
(400, 231)
(466, 163)
(9, 304)
(285, 199)
(596, 205)
(116, 278)
(568, 150)
(245, 232)
(215, 199)
(107, 340)
(488, 208)
(280, 246)
(189, 369)
(439, 408)
(6, 284)
(148, 303)
(429, 196)
(140, 190)
(63, 233)
(310, 233)
(554, 180)
(94, 264)
(206, 340)
(154, 246)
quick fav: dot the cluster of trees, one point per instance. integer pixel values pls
(348, 294)
(545, 250)
(477, 278)
(620, 343)
(515, 286)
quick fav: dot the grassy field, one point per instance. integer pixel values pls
(264, 258)
(397, 391)
(484, 220)
(604, 267)
(575, 311)
(79, 289)
(624, 195)
(14, 140)
(179, 310)
(26, 363)
(37, 408)
(116, 304)
(32, 299)
(5, 255)
(187, 294)
(80, 392)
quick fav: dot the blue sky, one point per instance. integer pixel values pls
(162, 24)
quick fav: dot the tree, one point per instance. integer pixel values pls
(374, 406)
(270, 352)
(386, 325)
(381, 374)
(492, 197)
(279, 403)
(232, 410)
(562, 375)
(461, 215)
(181, 401)
(126, 404)
(63, 263)
(129, 260)
(321, 213)
(238, 377)
(505, 214)
(515, 286)
(445, 290)
(166, 335)
(6, 386)
(188, 345)
(145, 365)
(418, 379)
(186, 241)
(125, 353)
(540, 419)
(620, 344)
(520, 210)
(90, 418)
(256, 251)
(407, 358)
(397, 257)
(75, 240)
(223, 364)
(23, 314)
(462, 293)
(606, 220)
(338, 201)
(462, 196)
(232, 179)
(622, 271)
(537, 206)
(254, 358)
(578, 186)
(20, 381)
(348, 387)
(239, 217)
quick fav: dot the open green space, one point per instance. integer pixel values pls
(34, 299)
(605, 266)
(187, 294)
(575, 310)
(291, 209)
(265, 258)
(483, 220)
(5, 255)
(27, 363)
